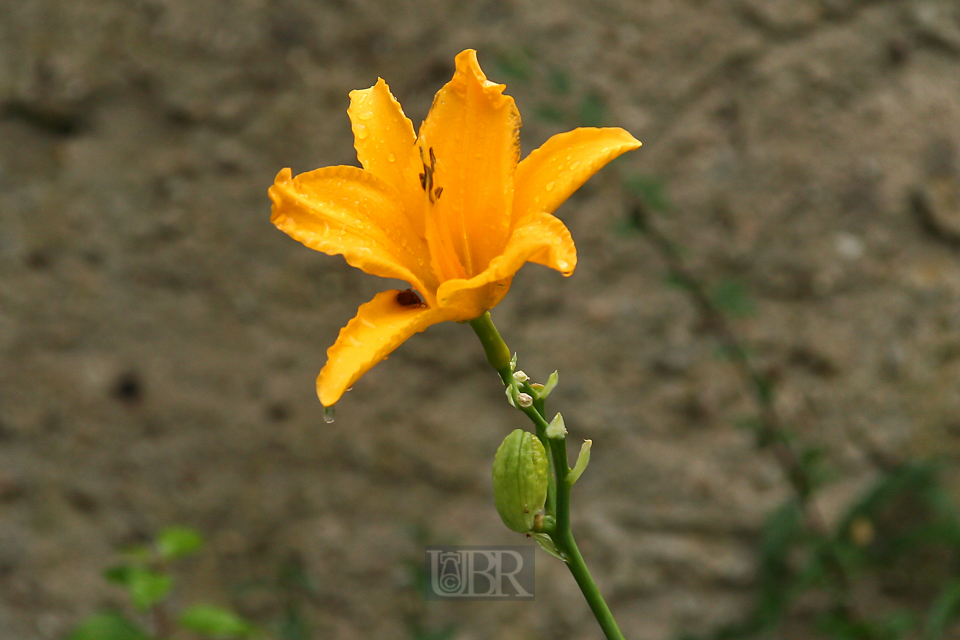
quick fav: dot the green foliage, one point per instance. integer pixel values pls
(108, 626)
(145, 587)
(214, 622)
(871, 541)
(174, 543)
(146, 579)
(902, 536)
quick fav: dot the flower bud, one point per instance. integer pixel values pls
(520, 480)
(525, 400)
(557, 430)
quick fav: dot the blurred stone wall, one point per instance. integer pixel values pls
(159, 339)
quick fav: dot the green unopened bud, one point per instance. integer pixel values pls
(520, 376)
(557, 430)
(520, 480)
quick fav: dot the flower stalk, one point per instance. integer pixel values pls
(558, 496)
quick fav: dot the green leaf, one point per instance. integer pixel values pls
(108, 626)
(119, 574)
(147, 587)
(582, 461)
(178, 542)
(215, 622)
(551, 385)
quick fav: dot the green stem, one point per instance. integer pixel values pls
(499, 357)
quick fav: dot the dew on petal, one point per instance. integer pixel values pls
(365, 115)
(392, 158)
(574, 165)
(361, 131)
(549, 186)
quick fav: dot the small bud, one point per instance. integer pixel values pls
(551, 383)
(510, 396)
(513, 362)
(520, 376)
(520, 480)
(582, 461)
(525, 400)
(536, 387)
(556, 430)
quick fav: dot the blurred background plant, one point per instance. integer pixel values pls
(147, 577)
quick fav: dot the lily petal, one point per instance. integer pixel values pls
(473, 131)
(379, 327)
(550, 174)
(384, 139)
(540, 238)
(351, 212)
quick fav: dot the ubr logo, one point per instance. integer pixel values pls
(482, 573)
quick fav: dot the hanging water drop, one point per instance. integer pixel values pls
(328, 414)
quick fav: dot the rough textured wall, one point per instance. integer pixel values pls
(159, 338)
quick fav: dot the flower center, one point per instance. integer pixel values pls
(450, 250)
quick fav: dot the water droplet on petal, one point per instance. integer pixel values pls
(365, 115)
(360, 131)
(575, 165)
(549, 186)
(328, 414)
(392, 158)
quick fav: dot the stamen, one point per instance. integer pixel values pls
(437, 192)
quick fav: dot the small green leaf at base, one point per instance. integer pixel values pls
(174, 543)
(546, 543)
(146, 587)
(108, 626)
(214, 622)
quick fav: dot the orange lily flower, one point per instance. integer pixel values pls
(451, 211)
